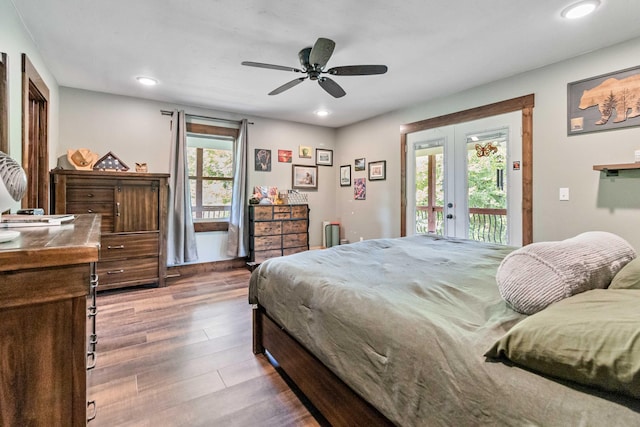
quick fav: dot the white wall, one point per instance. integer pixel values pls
(14, 41)
(135, 131)
(596, 203)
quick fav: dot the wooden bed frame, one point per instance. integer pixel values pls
(335, 400)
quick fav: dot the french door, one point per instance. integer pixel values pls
(465, 180)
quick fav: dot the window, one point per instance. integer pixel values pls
(210, 163)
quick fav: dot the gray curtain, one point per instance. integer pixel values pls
(181, 238)
(238, 243)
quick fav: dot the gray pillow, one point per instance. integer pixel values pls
(534, 276)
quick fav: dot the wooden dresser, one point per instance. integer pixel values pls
(277, 230)
(45, 277)
(134, 221)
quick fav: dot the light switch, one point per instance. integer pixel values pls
(564, 194)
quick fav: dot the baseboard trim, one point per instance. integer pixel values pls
(179, 271)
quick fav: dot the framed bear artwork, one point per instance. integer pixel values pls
(606, 102)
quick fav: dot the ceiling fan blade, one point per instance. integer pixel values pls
(286, 86)
(270, 66)
(357, 70)
(321, 52)
(331, 87)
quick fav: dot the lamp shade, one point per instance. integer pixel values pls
(13, 181)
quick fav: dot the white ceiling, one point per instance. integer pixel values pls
(195, 47)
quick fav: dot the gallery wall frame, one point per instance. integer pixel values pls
(285, 156)
(360, 164)
(605, 102)
(324, 157)
(360, 189)
(304, 177)
(378, 170)
(262, 160)
(304, 152)
(345, 176)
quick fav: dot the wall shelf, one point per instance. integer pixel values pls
(612, 170)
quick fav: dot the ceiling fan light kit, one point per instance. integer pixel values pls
(313, 61)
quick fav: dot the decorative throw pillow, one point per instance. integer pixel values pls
(628, 277)
(590, 338)
(534, 276)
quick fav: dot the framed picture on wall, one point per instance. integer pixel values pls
(263, 160)
(345, 176)
(285, 156)
(360, 189)
(304, 152)
(360, 164)
(606, 102)
(304, 177)
(378, 170)
(324, 157)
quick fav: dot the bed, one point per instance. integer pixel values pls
(395, 331)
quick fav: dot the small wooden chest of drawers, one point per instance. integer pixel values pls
(277, 230)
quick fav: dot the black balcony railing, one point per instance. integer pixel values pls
(485, 225)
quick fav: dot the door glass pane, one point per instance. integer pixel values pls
(487, 186)
(429, 179)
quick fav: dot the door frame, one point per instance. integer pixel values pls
(35, 136)
(524, 104)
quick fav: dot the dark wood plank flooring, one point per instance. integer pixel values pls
(181, 356)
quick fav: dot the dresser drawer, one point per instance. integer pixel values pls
(262, 256)
(119, 246)
(294, 240)
(296, 226)
(90, 207)
(267, 228)
(267, 242)
(263, 213)
(291, 251)
(132, 271)
(299, 211)
(90, 194)
(104, 209)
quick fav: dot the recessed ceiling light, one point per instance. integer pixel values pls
(580, 9)
(322, 113)
(147, 81)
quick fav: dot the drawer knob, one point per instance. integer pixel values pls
(115, 271)
(89, 210)
(116, 247)
(90, 195)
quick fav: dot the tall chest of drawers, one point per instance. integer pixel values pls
(133, 207)
(277, 230)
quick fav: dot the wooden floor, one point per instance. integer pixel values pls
(181, 356)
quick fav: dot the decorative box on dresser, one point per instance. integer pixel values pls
(46, 276)
(134, 221)
(277, 230)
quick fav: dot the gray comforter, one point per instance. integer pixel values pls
(405, 322)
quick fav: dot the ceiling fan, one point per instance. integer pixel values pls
(313, 60)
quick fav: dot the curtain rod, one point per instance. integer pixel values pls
(168, 113)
